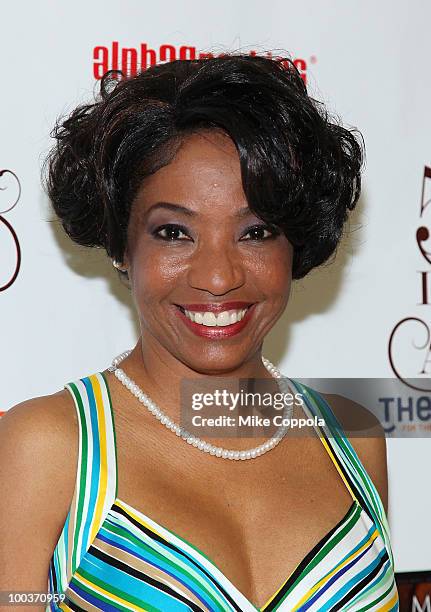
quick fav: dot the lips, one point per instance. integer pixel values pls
(216, 332)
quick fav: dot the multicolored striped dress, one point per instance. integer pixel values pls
(111, 556)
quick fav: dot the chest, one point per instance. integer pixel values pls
(255, 520)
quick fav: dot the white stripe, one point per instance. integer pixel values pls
(239, 598)
(82, 546)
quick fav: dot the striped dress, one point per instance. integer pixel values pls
(111, 556)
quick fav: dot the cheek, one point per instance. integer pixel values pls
(272, 269)
(155, 273)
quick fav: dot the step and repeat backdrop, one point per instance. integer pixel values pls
(63, 311)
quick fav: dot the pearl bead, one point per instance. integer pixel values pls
(216, 451)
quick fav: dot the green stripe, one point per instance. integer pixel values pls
(190, 572)
(351, 520)
(350, 452)
(373, 496)
(376, 601)
(81, 483)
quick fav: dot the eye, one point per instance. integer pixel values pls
(170, 232)
(258, 232)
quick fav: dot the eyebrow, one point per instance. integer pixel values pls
(242, 212)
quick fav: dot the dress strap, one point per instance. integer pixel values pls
(345, 458)
(96, 478)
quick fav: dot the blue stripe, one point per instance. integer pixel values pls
(130, 584)
(357, 578)
(91, 598)
(149, 556)
(94, 443)
(334, 578)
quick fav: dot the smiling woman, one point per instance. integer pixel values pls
(212, 185)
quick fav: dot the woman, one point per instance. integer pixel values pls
(212, 185)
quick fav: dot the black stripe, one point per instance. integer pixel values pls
(348, 596)
(54, 577)
(171, 546)
(113, 562)
(310, 556)
(342, 434)
(73, 606)
(363, 502)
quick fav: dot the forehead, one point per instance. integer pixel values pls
(205, 168)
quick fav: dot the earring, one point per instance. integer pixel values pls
(117, 265)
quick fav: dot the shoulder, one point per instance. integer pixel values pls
(367, 437)
(38, 449)
(39, 424)
(38, 455)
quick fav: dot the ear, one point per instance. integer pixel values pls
(126, 260)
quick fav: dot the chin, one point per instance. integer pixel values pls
(221, 363)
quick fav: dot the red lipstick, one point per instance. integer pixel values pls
(215, 332)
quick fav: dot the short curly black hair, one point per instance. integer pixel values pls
(300, 169)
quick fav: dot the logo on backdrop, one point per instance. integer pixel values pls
(414, 590)
(411, 336)
(10, 193)
(409, 346)
(130, 60)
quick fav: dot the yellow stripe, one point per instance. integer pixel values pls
(326, 445)
(103, 476)
(334, 461)
(334, 571)
(390, 604)
(96, 588)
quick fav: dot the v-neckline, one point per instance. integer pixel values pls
(203, 559)
(197, 552)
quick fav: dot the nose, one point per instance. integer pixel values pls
(216, 268)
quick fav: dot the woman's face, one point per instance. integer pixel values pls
(196, 251)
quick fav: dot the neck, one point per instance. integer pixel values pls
(161, 375)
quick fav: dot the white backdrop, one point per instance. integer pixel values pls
(67, 315)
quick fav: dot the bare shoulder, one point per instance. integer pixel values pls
(38, 455)
(42, 434)
(43, 424)
(367, 437)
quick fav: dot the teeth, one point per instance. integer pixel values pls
(209, 319)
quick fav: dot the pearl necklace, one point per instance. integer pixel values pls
(198, 443)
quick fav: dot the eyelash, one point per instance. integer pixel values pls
(175, 226)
